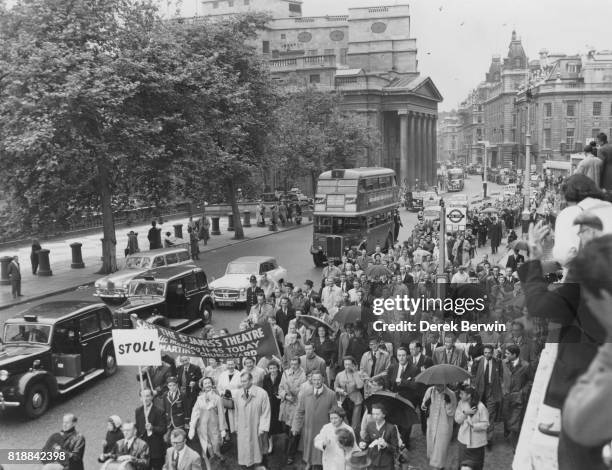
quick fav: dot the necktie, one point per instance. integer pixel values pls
(175, 459)
(185, 377)
(246, 393)
(230, 376)
(373, 363)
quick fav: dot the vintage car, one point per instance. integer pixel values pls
(176, 297)
(51, 349)
(113, 289)
(231, 287)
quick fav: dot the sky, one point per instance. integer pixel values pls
(457, 38)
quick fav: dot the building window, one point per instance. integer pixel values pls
(215, 4)
(596, 108)
(343, 53)
(569, 139)
(283, 36)
(570, 110)
(295, 8)
(312, 52)
(517, 63)
(329, 52)
(315, 78)
(265, 47)
(547, 137)
(548, 109)
(573, 68)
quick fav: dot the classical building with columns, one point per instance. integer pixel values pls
(369, 58)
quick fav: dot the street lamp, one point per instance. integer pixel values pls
(527, 176)
(486, 145)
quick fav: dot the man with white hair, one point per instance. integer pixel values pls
(70, 442)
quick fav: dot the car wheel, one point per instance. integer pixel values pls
(109, 363)
(206, 313)
(36, 400)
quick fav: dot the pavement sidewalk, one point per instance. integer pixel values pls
(65, 279)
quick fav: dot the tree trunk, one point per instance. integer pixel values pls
(313, 181)
(109, 240)
(231, 196)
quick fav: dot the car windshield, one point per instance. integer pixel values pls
(27, 333)
(242, 268)
(138, 262)
(146, 288)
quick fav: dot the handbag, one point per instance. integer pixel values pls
(227, 400)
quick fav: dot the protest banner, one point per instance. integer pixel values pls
(255, 342)
(137, 347)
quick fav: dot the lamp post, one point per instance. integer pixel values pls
(486, 145)
(527, 175)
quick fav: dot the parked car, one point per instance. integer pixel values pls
(51, 349)
(112, 289)
(231, 287)
(175, 297)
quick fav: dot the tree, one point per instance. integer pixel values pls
(71, 125)
(313, 134)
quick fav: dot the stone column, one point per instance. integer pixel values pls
(430, 151)
(422, 165)
(418, 149)
(404, 172)
(434, 147)
(412, 150)
(427, 152)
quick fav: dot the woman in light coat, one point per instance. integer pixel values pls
(336, 451)
(473, 417)
(288, 390)
(442, 404)
(208, 420)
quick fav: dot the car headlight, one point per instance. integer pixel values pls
(4, 375)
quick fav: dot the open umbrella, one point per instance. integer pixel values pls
(399, 410)
(490, 210)
(442, 374)
(377, 270)
(312, 322)
(348, 314)
(519, 245)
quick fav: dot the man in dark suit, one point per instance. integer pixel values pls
(488, 383)
(515, 388)
(514, 260)
(495, 233)
(151, 429)
(420, 362)
(432, 342)
(284, 314)
(130, 448)
(605, 154)
(251, 293)
(188, 377)
(400, 379)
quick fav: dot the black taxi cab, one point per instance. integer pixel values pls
(176, 297)
(52, 349)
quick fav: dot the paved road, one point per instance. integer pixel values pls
(118, 394)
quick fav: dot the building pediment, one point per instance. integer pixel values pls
(420, 86)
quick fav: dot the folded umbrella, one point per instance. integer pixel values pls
(400, 411)
(442, 374)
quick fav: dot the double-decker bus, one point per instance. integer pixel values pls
(354, 208)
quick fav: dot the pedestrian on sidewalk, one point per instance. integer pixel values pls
(193, 242)
(204, 233)
(34, 255)
(154, 237)
(14, 273)
(132, 244)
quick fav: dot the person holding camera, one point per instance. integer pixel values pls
(473, 419)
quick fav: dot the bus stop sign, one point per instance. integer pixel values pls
(456, 218)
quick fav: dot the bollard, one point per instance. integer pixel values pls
(77, 256)
(178, 230)
(230, 222)
(247, 219)
(215, 226)
(44, 268)
(4, 264)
